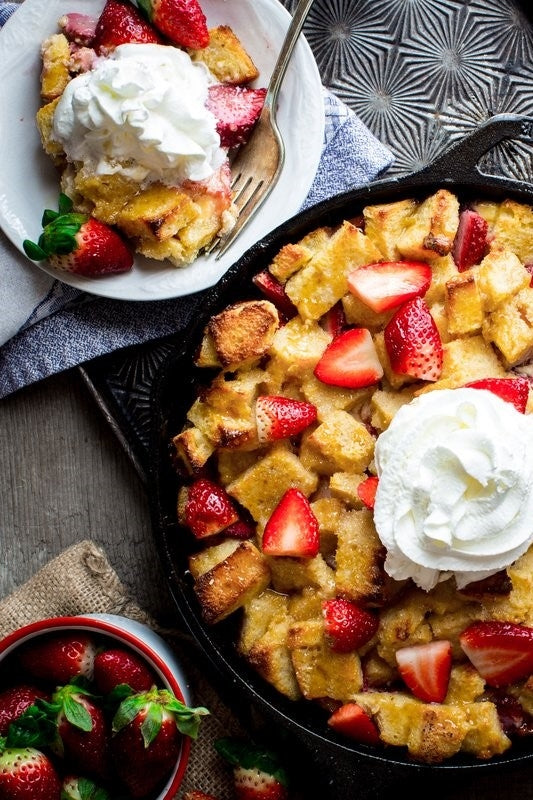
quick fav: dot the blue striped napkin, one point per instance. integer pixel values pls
(47, 326)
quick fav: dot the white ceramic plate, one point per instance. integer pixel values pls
(29, 183)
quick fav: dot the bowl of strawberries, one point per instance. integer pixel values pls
(92, 706)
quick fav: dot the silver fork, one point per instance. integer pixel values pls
(258, 164)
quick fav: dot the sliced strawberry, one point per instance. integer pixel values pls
(353, 721)
(347, 626)
(240, 530)
(388, 284)
(502, 652)
(116, 666)
(366, 491)
(292, 529)
(350, 360)
(425, 668)
(208, 508)
(181, 21)
(275, 292)
(79, 244)
(413, 341)
(513, 390)
(120, 23)
(257, 773)
(280, 417)
(513, 718)
(529, 268)
(236, 110)
(470, 241)
(334, 321)
(59, 657)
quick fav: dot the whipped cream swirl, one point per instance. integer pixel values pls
(455, 487)
(141, 112)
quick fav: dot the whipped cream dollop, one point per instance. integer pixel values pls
(141, 112)
(455, 495)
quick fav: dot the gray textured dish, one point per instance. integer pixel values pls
(420, 74)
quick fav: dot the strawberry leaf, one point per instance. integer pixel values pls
(151, 724)
(77, 714)
(243, 754)
(90, 791)
(33, 250)
(36, 727)
(65, 204)
(127, 711)
(48, 216)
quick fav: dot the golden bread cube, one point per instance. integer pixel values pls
(484, 736)
(430, 230)
(510, 227)
(443, 269)
(465, 360)
(55, 52)
(328, 399)
(231, 463)
(440, 318)
(464, 309)
(404, 625)
(384, 404)
(107, 194)
(296, 349)
(466, 685)
(169, 250)
(226, 58)
(230, 582)
(343, 443)
(203, 227)
(193, 448)
(157, 212)
(263, 641)
(359, 573)
(261, 486)
(207, 354)
(516, 605)
(358, 313)
(510, 328)
(45, 122)
(294, 574)
(321, 672)
(343, 486)
(499, 276)
(242, 333)
(316, 288)
(384, 225)
(293, 257)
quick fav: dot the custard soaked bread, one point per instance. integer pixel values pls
(368, 438)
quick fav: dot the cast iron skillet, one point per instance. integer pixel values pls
(336, 767)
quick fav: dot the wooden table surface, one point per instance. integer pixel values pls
(64, 477)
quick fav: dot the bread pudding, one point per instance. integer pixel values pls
(355, 478)
(141, 126)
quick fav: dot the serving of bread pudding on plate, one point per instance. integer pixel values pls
(141, 120)
(356, 469)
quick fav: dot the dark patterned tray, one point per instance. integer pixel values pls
(420, 74)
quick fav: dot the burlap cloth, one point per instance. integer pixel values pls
(82, 581)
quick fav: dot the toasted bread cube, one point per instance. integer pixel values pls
(231, 463)
(510, 227)
(263, 641)
(204, 226)
(293, 257)
(484, 736)
(466, 685)
(465, 360)
(193, 448)
(169, 250)
(510, 328)
(440, 318)
(55, 53)
(157, 212)
(243, 332)
(107, 194)
(499, 276)
(226, 58)
(344, 443)
(384, 405)
(464, 309)
(323, 281)
(231, 582)
(296, 349)
(357, 313)
(343, 485)
(442, 270)
(207, 354)
(430, 231)
(321, 672)
(45, 122)
(261, 487)
(384, 224)
(294, 574)
(360, 555)
(328, 399)
(516, 606)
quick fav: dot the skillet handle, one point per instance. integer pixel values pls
(460, 160)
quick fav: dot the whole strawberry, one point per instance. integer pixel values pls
(76, 788)
(257, 773)
(79, 244)
(27, 774)
(14, 702)
(117, 666)
(60, 657)
(181, 21)
(148, 730)
(82, 730)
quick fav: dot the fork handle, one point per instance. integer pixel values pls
(291, 37)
